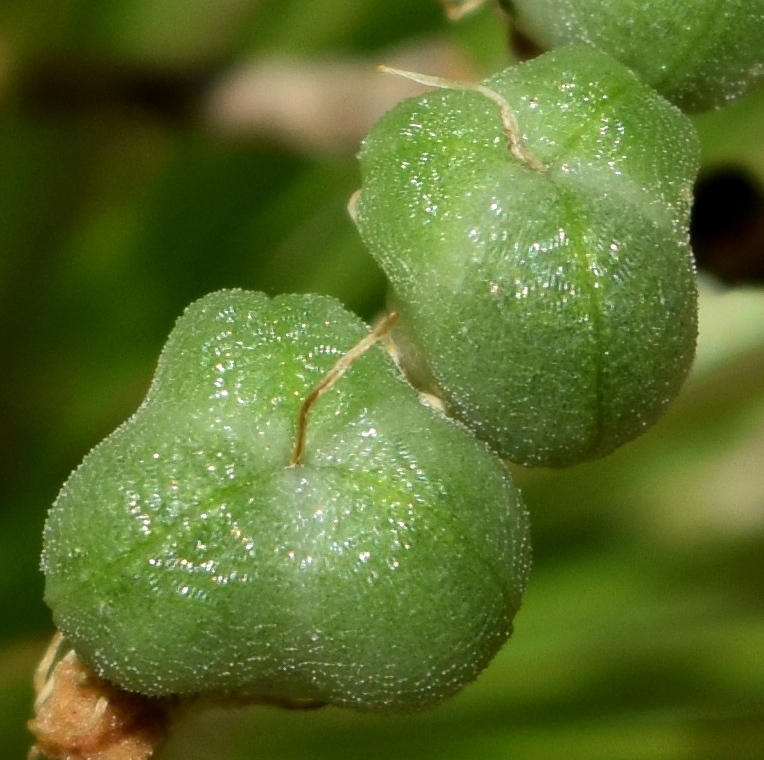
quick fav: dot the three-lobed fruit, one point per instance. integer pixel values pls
(187, 556)
(699, 54)
(553, 300)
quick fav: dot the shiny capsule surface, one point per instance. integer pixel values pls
(700, 54)
(185, 555)
(554, 310)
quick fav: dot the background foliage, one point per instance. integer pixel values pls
(123, 198)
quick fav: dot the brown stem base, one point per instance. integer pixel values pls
(79, 716)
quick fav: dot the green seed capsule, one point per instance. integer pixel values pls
(699, 54)
(543, 271)
(186, 555)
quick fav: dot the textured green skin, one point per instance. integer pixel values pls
(699, 54)
(185, 557)
(556, 310)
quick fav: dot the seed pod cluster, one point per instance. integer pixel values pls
(274, 524)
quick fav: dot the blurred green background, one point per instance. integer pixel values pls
(147, 158)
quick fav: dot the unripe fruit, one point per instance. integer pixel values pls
(699, 54)
(186, 555)
(542, 271)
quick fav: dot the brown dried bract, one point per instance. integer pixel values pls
(457, 9)
(79, 716)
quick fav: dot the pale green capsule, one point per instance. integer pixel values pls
(186, 556)
(553, 298)
(699, 54)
